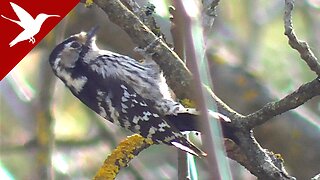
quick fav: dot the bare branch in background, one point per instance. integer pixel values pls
(291, 101)
(301, 46)
(191, 60)
(44, 120)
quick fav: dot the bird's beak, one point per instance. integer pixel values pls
(90, 35)
(86, 38)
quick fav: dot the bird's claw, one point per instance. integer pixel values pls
(147, 51)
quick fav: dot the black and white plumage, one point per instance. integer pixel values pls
(122, 90)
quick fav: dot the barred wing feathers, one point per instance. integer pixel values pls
(116, 101)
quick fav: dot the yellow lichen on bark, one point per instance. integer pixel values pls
(188, 103)
(121, 156)
(88, 3)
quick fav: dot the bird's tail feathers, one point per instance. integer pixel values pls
(219, 116)
(188, 147)
(188, 119)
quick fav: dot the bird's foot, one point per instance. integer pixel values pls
(147, 51)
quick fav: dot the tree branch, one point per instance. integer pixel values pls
(291, 101)
(301, 46)
(121, 156)
(261, 162)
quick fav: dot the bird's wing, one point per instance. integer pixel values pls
(25, 18)
(140, 117)
(118, 102)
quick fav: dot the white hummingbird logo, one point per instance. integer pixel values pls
(31, 26)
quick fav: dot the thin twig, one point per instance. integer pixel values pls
(301, 46)
(291, 101)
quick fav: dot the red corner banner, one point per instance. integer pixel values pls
(23, 24)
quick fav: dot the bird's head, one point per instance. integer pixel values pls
(73, 49)
(71, 54)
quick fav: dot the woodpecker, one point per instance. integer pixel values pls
(126, 92)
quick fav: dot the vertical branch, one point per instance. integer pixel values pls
(194, 57)
(44, 118)
(182, 165)
(177, 27)
(44, 121)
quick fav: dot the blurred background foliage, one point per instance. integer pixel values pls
(251, 65)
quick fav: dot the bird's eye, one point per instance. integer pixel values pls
(75, 45)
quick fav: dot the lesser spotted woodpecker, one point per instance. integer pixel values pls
(124, 91)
